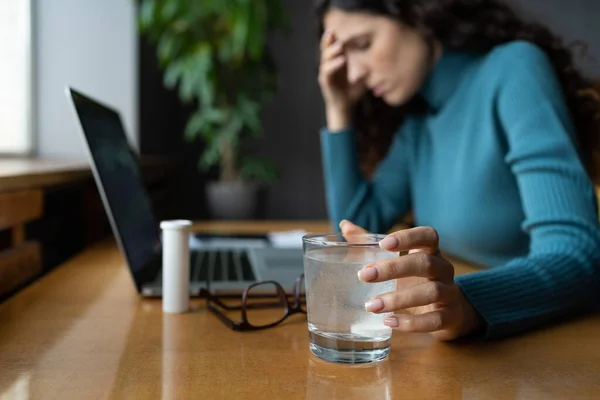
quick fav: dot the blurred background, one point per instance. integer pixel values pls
(102, 49)
(252, 151)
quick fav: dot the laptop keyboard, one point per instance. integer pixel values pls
(220, 266)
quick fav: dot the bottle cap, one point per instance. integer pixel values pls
(176, 224)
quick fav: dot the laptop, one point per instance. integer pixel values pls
(217, 263)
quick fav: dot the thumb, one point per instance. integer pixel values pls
(352, 232)
(348, 228)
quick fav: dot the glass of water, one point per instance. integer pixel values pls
(340, 329)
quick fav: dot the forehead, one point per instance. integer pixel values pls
(346, 25)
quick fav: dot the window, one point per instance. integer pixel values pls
(16, 111)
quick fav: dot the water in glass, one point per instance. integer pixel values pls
(340, 328)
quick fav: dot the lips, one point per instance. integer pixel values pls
(378, 91)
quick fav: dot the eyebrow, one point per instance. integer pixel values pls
(354, 38)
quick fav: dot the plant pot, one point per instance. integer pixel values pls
(234, 200)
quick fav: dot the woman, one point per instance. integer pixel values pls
(479, 124)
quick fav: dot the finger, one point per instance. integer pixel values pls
(419, 295)
(326, 39)
(331, 52)
(419, 264)
(423, 238)
(354, 233)
(422, 323)
(327, 69)
(350, 228)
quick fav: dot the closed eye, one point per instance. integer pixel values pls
(362, 44)
(359, 43)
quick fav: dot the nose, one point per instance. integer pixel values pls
(356, 71)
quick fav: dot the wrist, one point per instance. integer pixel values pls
(338, 118)
(472, 321)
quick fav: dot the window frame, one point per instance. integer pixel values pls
(30, 83)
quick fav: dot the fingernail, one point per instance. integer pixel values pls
(368, 273)
(374, 305)
(392, 322)
(342, 222)
(389, 242)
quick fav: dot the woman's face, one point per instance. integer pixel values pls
(389, 58)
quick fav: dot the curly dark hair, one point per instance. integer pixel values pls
(473, 26)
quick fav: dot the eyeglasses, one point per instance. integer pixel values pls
(263, 305)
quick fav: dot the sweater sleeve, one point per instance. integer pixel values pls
(374, 204)
(560, 275)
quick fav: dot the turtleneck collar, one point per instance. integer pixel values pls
(446, 76)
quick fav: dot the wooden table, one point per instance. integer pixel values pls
(82, 332)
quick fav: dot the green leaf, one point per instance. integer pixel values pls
(250, 112)
(170, 9)
(187, 81)
(194, 126)
(172, 74)
(203, 63)
(210, 156)
(167, 49)
(146, 14)
(241, 21)
(256, 34)
(216, 116)
(225, 52)
(180, 26)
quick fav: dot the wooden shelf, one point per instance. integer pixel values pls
(27, 173)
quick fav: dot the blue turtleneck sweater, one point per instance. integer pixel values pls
(493, 167)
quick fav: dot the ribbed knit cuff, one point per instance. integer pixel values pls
(529, 292)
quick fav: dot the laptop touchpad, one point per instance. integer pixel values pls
(282, 265)
(288, 258)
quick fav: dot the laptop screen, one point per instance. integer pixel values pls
(117, 175)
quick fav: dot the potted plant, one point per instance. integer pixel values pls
(214, 52)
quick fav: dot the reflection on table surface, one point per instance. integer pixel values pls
(83, 332)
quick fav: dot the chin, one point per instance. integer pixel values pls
(394, 101)
(398, 98)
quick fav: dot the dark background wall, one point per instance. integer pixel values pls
(162, 121)
(572, 20)
(292, 121)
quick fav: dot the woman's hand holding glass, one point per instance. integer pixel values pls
(426, 300)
